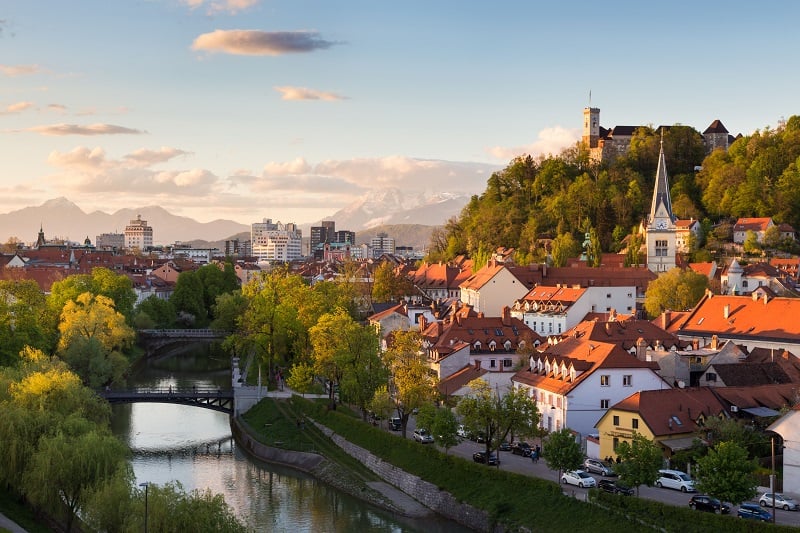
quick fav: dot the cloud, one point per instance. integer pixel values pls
(260, 43)
(302, 93)
(222, 6)
(57, 108)
(19, 107)
(89, 170)
(91, 129)
(551, 141)
(13, 71)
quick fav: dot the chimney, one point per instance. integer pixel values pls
(726, 311)
(666, 317)
(506, 314)
(755, 296)
(608, 328)
(423, 322)
(458, 319)
(477, 364)
(641, 349)
(766, 299)
(714, 342)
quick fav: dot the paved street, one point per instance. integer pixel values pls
(524, 465)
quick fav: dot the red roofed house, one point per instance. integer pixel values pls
(552, 310)
(750, 321)
(759, 226)
(495, 286)
(685, 230)
(575, 381)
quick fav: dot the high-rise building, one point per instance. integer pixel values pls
(138, 234)
(275, 241)
(345, 236)
(322, 233)
(382, 244)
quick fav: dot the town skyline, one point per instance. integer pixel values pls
(247, 109)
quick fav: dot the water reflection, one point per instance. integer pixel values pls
(194, 446)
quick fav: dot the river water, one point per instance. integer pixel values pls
(194, 446)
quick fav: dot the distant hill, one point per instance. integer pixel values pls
(63, 219)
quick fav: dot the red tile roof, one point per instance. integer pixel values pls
(671, 411)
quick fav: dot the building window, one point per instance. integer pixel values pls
(493, 363)
(662, 248)
(608, 295)
(744, 283)
(507, 363)
(615, 443)
(635, 423)
(711, 376)
(604, 404)
(559, 328)
(627, 380)
(605, 380)
(615, 420)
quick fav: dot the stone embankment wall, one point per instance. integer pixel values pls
(424, 492)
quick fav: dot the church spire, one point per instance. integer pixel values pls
(661, 191)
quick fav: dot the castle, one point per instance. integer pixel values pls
(607, 144)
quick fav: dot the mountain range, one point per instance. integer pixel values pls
(380, 210)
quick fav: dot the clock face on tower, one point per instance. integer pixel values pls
(661, 224)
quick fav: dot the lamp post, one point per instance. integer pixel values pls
(145, 485)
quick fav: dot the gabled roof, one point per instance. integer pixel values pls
(686, 223)
(545, 294)
(483, 276)
(744, 317)
(625, 333)
(472, 329)
(671, 411)
(703, 268)
(788, 362)
(399, 309)
(460, 379)
(749, 374)
(752, 224)
(771, 396)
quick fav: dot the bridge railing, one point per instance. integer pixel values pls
(200, 333)
(166, 391)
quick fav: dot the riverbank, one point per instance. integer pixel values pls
(330, 468)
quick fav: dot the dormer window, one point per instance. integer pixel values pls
(477, 346)
(507, 346)
(492, 346)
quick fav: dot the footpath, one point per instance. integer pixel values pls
(7, 523)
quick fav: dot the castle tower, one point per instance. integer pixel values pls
(661, 231)
(591, 127)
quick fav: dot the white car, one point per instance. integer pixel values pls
(422, 435)
(781, 501)
(579, 478)
(675, 479)
(461, 431)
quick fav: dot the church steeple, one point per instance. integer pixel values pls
(40, 241)
(661, 207)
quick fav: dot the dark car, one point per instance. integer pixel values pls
(708, 504)
(395, 424)
(480, 457)
(609, 485)
(521, 448)
(504, 447)
(753, 512)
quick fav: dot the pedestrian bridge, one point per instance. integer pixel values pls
(209, 398)
(155, 339)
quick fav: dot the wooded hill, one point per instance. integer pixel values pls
(532, 199)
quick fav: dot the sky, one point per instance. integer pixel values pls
(293, 109)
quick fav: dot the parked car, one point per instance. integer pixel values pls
(753, 512)
(395, 424)
(781, 501)
(596, 466)
(504, 447)
(521, 448)
(579, 478)
(480, 437)
(480, 457)
(609, 485)
(462, 431)
(708, 504)
(422, 435)
(675, 479)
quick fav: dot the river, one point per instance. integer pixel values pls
(194, 446)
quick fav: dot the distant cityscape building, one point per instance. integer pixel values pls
(110, 241)
(138, 234)
(382, 244)
(238, 248)
(276, 241)
(322, 233)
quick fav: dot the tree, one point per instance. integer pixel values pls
(23, 319)
(727, 474)
(411, 384)
(388, 285)
(640, 460)
(564, 247)
(562, 452)
(677, 290)
(188, 298)
(633, 255)
(227, 309)
(301, 378)
(498, 416)
(594, 252)
(442, 424)
(751, 245)
(66, 467)
(101, 282)
(160, 311)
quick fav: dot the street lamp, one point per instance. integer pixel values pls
(145, 485)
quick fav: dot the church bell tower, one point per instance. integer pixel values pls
(661, 230)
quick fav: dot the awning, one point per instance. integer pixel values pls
(761, 411)
(679, 443)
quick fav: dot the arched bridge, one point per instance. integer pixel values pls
(208, 398)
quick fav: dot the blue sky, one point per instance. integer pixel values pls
(290, 110)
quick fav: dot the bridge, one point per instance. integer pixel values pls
(209, 398)
(154, 339)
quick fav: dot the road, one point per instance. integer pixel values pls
(524, 465)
